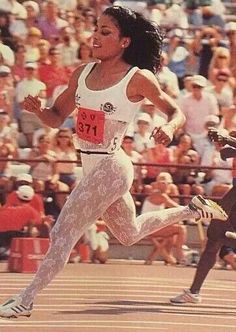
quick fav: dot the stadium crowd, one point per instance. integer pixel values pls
(42, 42)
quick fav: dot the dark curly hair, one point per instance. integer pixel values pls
(146, 37)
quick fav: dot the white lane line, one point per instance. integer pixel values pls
(85, 286)
(131, 297)
(108, 323)
(123, 327)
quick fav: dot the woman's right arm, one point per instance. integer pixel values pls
(63, 106)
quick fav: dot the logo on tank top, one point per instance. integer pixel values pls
(108, 108)
(77, 98)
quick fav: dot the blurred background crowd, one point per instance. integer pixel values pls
(42, 42)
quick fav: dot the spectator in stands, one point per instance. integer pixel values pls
(13, 7)
(44, 47)
(203, 45)
(5, 174)
(9, 132)
(45, 176)
(36, 201)
(7, 92)
(53, 74)
(171, 236)
(142, 140)
(178, 55)
(159, 154)
(139, 171)
(223, 88)
(7, 56)
(210, 18)
(220, 61)
(30, 85)
(65, 150)
(157, 117)
(33, 11)
(187, 179)
(187, 85)
(31, 44)
(18, 70)
(84, 53)
(68, 47)
(5, 33)
(80, 33)
(167, 78)
(50, 23)
(197, 105)
(229, 116)
(219, 180)
(230, 30)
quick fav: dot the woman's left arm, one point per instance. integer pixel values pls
(147, 86)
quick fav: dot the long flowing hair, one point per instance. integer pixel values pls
(146, 38)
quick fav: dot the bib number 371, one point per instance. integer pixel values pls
(90, 125)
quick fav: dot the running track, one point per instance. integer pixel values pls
(124, 296)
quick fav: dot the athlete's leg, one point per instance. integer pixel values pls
(87, 202)
(216, 236)
(121, 219)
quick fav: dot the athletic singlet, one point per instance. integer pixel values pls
(103, 115)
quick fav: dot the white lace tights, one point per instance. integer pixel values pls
(104, 191)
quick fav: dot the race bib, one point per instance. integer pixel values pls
(90, 125)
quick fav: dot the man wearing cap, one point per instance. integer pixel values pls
(12, 199)
(30, 85)
(196, 106)
(142, 139)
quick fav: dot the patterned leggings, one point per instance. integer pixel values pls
(103, 191)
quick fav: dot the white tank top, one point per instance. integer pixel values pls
(119, 110)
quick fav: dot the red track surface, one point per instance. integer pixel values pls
(124, 296)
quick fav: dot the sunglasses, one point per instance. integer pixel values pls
(63, 137)
(195, 86)
(222, 57)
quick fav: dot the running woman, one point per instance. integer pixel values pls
(108, 95)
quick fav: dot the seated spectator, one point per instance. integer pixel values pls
(30, 85)
(7, 91)
(45, 176)
(54, 73)
(159, 154)
(5, 173)
(36, 201)
(139, 171)
(219, 181)
(188, 179)
(157, 118)
(50, 23)
(174, 235)
(68, 47)
(64, 149)
(221, 62)
(197, 105)
(18, 70)
(223, 89)
(172, 189)
(31, 44)
(142, 139)
(9, 132)
(167, 78)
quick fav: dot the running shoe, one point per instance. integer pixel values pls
(186, 297)
(13, 308)
(207, 209)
